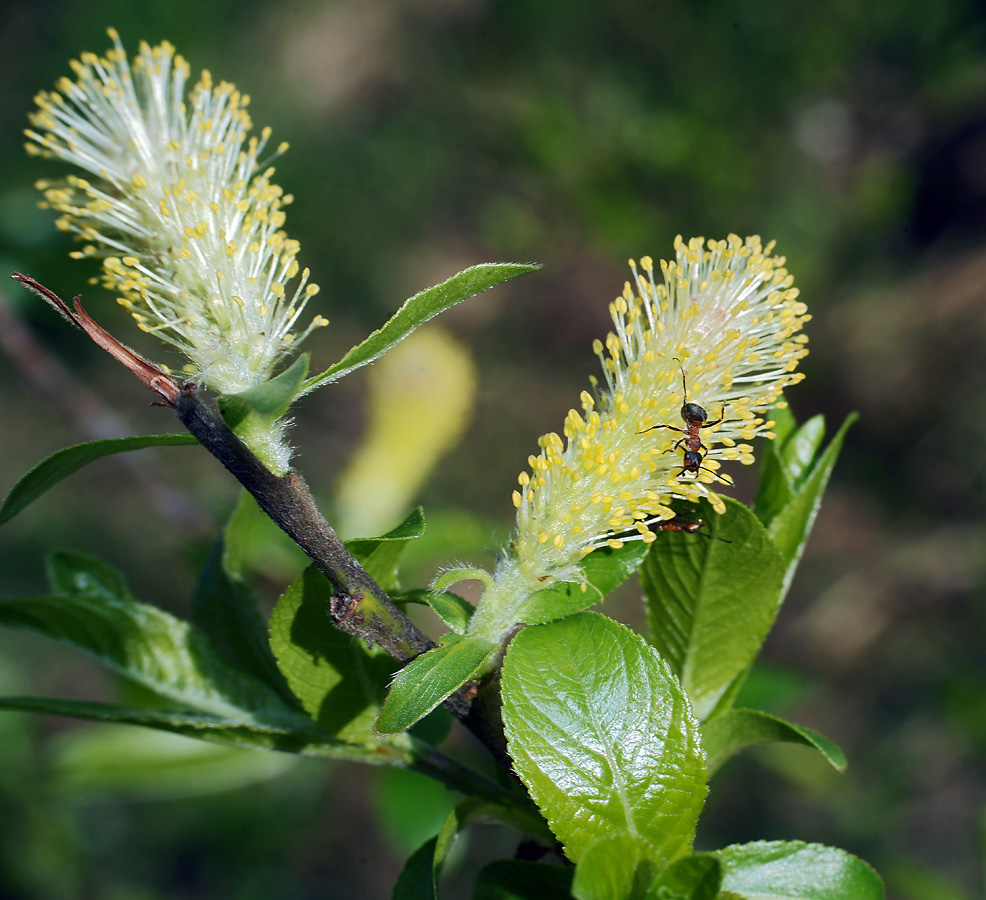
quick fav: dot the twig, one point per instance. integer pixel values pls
(359, 607)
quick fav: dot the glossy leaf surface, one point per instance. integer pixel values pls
(729, 733)
(792, 870)
(602, 735)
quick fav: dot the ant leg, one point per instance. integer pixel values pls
(722, 415)
(676, 446)
(725, 479)
(661, 426)
(684, 387)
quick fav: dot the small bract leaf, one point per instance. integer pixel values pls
(792, 870)
(604, 569)
(786, 462)
(427, 680)
(47, 473)
(729, 733)
(450, 608)
(269, 400)
(710, 603)
(602, 735)
(418, 310)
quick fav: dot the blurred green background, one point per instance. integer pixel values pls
(428, 136)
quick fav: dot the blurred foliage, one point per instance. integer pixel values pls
(433, 135)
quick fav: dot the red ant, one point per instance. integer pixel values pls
(689, 526)
(694, 417)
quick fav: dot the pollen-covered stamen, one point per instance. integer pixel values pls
(724, 318)
(187, 220)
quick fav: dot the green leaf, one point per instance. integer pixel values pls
(792, 870)
(254, 546)
(338, 681)
(47, 473)
(418, 310)
(602, 735)
(511, 879)
(729, 733)
(604, 569)
(92, 610)
(301, 737)
(153, 764)
(224, 610)
(616, 867)
(267, 401)
(452, 609)
(417, 878)
(800, 450)
(693, 877)
(709, 603)
(787, 460)
(379, 556)
(427, 680)
(790, 528)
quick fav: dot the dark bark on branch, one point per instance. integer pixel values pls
(359, 607)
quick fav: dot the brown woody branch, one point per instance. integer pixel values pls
(359, 607)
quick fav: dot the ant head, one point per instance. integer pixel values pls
(693, 527)
(692, 460)
(693, 414)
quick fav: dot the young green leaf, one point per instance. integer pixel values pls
(792, 870)
(62, 463)
(790, 527)
(602, 735)
(604, 570)
(693, 877)
(450, 608)
(418, 310)
(379, 556)
(784, 462)
(427, 680)
(338, 681)
(616, 867)
(92, 610)
(725, 735)
(511, 879)
(710, 603)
